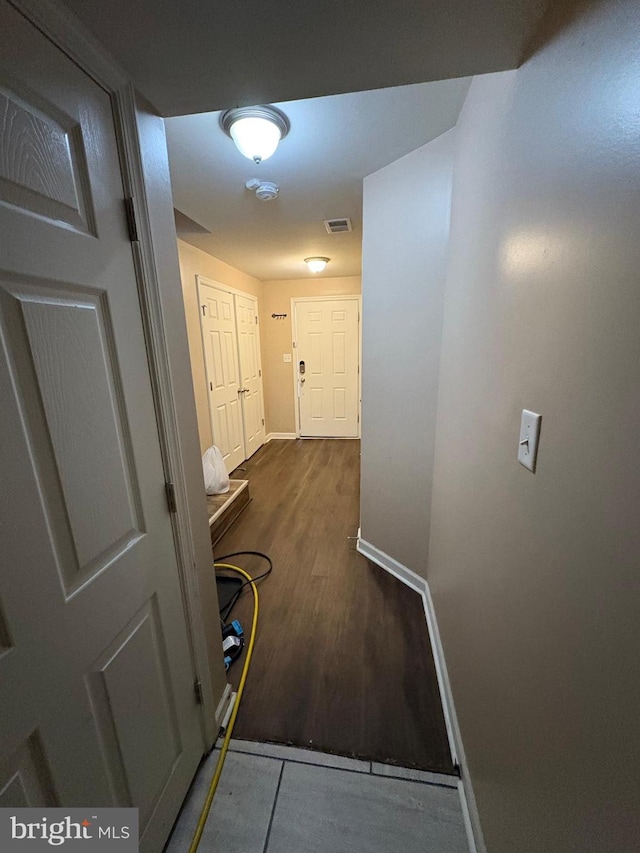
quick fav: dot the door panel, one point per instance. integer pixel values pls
(221, 359)
(250, 373)
(328, 344)
(28, 777)
(45, 171)
(97, 701)
(65, 336)
(135, 664)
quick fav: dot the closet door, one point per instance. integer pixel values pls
(250, 373)
(223, 373)
(97, 706)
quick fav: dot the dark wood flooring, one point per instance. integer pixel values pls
(342, 661)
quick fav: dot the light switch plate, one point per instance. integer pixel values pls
(286, 356)
(529, 437)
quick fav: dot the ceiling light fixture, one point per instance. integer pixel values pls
(316, 264)
(256, 131)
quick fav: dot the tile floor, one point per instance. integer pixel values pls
(279, 799)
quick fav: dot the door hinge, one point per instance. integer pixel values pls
(259, 373)
(256, 319)
(171, 496)
(211, 385)
(197, 689)
(204, 310)
(263, 422)
(130, 213)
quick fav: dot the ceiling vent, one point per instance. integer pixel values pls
(337, 226)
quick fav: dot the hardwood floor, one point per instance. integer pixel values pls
(342, 661)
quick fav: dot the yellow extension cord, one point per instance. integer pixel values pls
(204, 814)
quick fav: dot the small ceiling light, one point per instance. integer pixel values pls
(316, 264)
(256, 131)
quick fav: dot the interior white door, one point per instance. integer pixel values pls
(327, 337)
(250, 373)
(221, 359)
(97, 702)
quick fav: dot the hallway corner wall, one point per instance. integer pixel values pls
(405, 248)
(535, 577)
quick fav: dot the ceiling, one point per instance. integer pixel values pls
(191, 56)
(194, 56)
(334, 142)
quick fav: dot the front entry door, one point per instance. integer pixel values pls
(250, 373)
(327, 337)
(97, 705)
(221, 360)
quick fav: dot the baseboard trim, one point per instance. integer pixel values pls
(420, 585)
(223, 704)
(273, 435)
(408, 577)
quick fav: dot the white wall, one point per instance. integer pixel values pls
(536, 578)
(405, 234)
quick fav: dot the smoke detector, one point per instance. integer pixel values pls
(265, 190)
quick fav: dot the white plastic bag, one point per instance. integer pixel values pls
(216, 479)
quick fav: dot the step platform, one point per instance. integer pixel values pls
(224, 509)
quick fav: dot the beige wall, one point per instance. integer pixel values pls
(276, 339)
(536, 578)
(405, 240)
(194, 262)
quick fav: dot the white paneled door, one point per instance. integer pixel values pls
(220, 340)
(234, 375)
(328, 346)
(97, 705)
(250, 373)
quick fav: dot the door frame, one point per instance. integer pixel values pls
(209, 282)
(294, 344)
(62, 28)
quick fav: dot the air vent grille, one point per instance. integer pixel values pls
(337, 226)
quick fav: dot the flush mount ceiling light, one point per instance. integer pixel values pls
(316, 264)
(256, 131)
